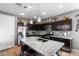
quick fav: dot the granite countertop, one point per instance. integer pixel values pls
(61, 37)
(48, 48)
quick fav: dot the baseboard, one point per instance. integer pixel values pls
(14, 46)
(8, 48)
(75, 50)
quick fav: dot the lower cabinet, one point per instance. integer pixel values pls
(67, 43)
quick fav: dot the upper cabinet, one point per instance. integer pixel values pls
(62, 25)
(36, 26)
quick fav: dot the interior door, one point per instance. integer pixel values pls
(7, 31)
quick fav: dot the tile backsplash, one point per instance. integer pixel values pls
(56, 33)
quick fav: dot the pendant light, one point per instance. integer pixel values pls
(31, 21)
(39, 18)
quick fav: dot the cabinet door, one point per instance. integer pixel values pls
(7, 31)
(64, 25)
(53, 26)
(67, 24)
(67, 43)
(59, 25)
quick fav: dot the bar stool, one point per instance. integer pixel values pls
(26, 51)
(59, 52)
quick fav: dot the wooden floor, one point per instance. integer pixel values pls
(16, 51)
(11, 52)
(73, 53)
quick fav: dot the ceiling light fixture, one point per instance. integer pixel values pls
(44, 13)
(39, 18)
(29, 7)
(61, 6)
(34, 16)
(22, 14)
(31, 22)
(25, 6)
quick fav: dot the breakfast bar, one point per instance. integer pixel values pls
(47, 48)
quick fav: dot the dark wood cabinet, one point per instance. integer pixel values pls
(67, 43)
(32, 27)
(62, 25)
(36, 27)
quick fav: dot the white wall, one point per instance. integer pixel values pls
(7, 31)
(73, 33)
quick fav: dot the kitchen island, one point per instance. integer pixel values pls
(47, 48)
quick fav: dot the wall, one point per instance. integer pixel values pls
(73, 34)
(7, 31)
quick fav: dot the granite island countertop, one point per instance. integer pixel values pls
(47, 48)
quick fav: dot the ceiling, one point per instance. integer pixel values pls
(51, 9)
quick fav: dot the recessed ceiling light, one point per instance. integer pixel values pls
(29, 6)
(61, 6)
(44, 13)
(34, 16)
(22, 14)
